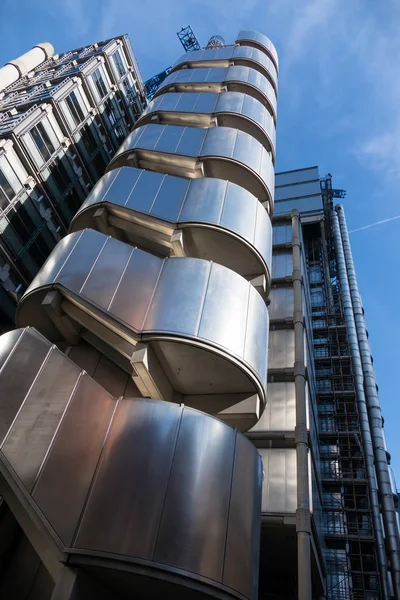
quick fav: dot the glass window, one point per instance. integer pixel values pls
(42, 141)
(99, 83)
(119, 65)
(113, 115)
(6, 191)
(75, 108)
(88, 139)
(60, 175)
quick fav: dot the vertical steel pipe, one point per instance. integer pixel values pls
(374, 412)
(361, 404)
(303, 516)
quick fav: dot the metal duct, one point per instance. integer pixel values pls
(303, 517)
(374, 412)
(361, 403)
(17, 68)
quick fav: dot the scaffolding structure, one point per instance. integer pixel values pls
(350, 547)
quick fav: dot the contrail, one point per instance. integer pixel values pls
(374, 224)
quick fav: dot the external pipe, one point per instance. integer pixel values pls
(17, 68)
(362, 405)
(374, 413)
(303, 515)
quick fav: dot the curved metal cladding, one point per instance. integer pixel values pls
(224, 57)
(205, 477)
(260, 41)
(228, 109)
(191, 152)
(165, 283)
(218, 220)
(178, 305)
(233, 79)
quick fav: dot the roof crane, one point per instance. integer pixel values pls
(188, 39)
(189, 42)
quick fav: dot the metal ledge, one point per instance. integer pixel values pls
(260, 41)
(232, 79)
(69, 450)
(182, 308)
(221, 153)
(200, 218)
(227, 109)
(224, 57)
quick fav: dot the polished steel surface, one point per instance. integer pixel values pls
(224, 57)
(281, 233)
(219, 220)
(232, 79)
(258, 40)
(166, 482)
(281, 349)
(280, 413)
(73, 454)
(281, 306)
(219, 152)
(180, 302)
(279, 480)
(282, 264)
(159, 291)
(226, 109)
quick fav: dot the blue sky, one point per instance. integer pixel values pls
(339, 107)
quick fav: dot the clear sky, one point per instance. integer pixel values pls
(339, 108)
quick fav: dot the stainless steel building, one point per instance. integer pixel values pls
(188, 405)
(62, 118)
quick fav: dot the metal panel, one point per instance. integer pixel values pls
(259, 40)
(251, 57)
(8, 343)
(170, 197)
(65, 480)
(226, 289)
(282, 303)
(311, 203)
(243, 520)
(143, 268)
(280, 412)
(240, 78)
(83, 255)
(29, 351)
(214, 146)
(134, 470)
(193, 527)
(279, 482)
(178, 300)
(281, 349)
(32, 431)
(297, 176)
(299, 190)
(102, 282)
(193, 203)
(227, 107)
(282, 264)
(145, 190)
(182, 303)
(204, 200)
(256, 334)
(282, 233)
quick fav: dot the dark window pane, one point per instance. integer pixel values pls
(88, 139)
(75, 108)
(60, 175)
(119, 65)
(42, 141)
(99, 83)
(6, 191)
